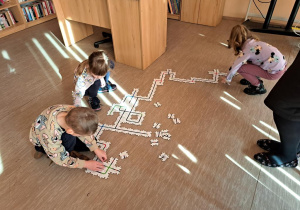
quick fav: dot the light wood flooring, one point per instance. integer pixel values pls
(211, 152)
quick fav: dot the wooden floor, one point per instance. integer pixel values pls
(211, 152)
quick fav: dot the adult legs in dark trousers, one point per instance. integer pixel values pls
(283, 153)
(289, 132)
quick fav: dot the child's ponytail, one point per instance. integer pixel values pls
(81, 67)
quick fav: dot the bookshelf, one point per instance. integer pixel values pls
(15, 7)
(174, 8)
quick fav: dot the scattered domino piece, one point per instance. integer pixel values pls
(171, 116)
(163, 134)
(226, 45)
(104, 145)
(154, 142)
(156, 125)
(124, 155)
(157, 104)
(176, 121)
(163, 156)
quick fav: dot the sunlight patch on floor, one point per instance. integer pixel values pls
(56, 45)
(5, 55)
(184, 168)
(47, 57)
(273, 178)
(265, 133)
(230, 103)
(187, 153)
(269, 126)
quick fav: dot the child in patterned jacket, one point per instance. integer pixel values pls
(90, 77)
(61, 131)
(256, 59)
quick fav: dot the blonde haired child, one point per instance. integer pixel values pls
(61, 131)
(255, 60)
(90, 77)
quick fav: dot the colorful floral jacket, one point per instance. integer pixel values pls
(46, 132)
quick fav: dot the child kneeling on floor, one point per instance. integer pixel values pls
(92, 76)
(61, 131)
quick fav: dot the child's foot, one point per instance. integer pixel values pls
(246, 82)
(109, 87)
(38, 155)
(94, 103)
(271, 160)
(75, 154)
(255, 90)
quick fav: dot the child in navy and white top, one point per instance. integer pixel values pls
(90, 77)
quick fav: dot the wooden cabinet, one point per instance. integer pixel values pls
(15, 7)
(139, 30)
(204, 12)
(139, 27)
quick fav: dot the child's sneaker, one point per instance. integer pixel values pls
(109, 87)
(94, 103)
(246, 82)
(75, 154)
(253, 90)
(38, 155)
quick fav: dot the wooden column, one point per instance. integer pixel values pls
(204, 12)
(139, 30)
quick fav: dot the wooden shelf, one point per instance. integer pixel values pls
(174, 16)
(25, 2)
(12, 29)
(8, 5)
(40, 20)
(15, 7)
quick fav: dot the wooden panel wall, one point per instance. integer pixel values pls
(153, 29)
(72, 32)
(93, 12)
(126, 31)
(211, 12)
(190, 11)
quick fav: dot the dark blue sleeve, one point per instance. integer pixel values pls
(111, 64)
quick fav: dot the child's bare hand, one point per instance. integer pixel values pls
(101, 154)
(224, 80)
(93, 165)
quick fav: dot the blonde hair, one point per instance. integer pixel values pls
(96, 64)
(239, 35)
(82, 120)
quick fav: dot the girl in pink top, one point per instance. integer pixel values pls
(255, 60)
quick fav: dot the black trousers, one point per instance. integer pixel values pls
(92, 91)
(71, 143)
(289, 132)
